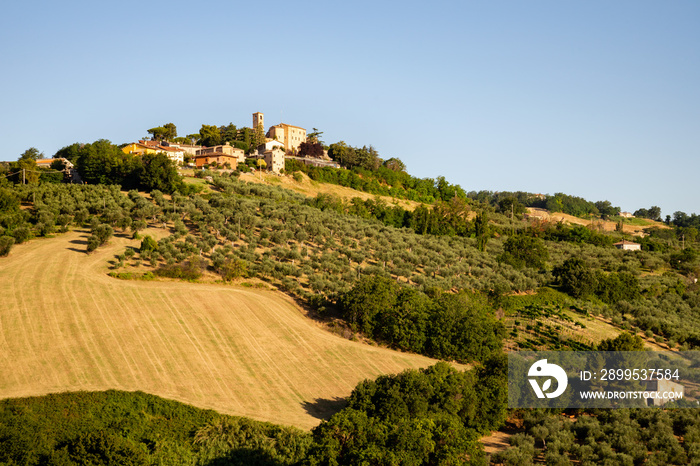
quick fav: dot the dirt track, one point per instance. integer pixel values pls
(65, 325)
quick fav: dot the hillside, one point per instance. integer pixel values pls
(66, 325)
(635, 228)
(311, 188)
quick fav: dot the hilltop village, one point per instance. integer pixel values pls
(269, 151)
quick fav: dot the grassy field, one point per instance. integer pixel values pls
(65, 325)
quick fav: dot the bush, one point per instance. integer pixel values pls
(21, 234)
(188, 270)
(576, 277)
(6, 243)
(148, 244)
(524, 251)
(100, 235)
(232, 268)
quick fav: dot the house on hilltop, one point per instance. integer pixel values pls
(628, 246)
(219, 155)
(175, 154)
(274, 159)
(290, 136)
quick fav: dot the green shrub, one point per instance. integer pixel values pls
(188, 270)
(6, 243)
(21, 234)
(148, 244)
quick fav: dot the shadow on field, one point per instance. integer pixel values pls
(324, 408)
(82, 241)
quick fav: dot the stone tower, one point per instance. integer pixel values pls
(258, 120)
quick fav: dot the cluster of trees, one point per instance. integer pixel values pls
(577, 278)
(425, 417)
(105, 163)
(448, 326)
(167, 132)
(653, 213)
(613, 436)
(244, 138)
(683, 220)
(577, 206)
(211, 135)
(25, 170)
(54, 208)
(559, 202)
(331, 249)
(524, 251)
(101, 163)
(351, 157)
(571, 234)
(384, 181)
(311, 149)
(445, 218)
(120, 428)
(419, 417)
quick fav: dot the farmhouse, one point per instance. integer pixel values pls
(663, 386)
(69, 169)
(46, 163)
(628, 246)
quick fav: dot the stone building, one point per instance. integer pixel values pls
(289, 135)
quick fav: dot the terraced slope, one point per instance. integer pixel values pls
(65, 325)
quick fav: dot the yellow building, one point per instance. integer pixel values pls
(153, 147)
(139, 148)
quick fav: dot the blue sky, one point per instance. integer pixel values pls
(596, 99)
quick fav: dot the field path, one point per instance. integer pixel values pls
(65, 325)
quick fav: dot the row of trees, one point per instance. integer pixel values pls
(25, 170)
(559, 202)
(384, 181)
(613, 436)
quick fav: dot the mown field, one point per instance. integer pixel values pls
(65, 325)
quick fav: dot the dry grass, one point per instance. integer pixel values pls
(65, 325)
(311, 188)
(603, 225)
